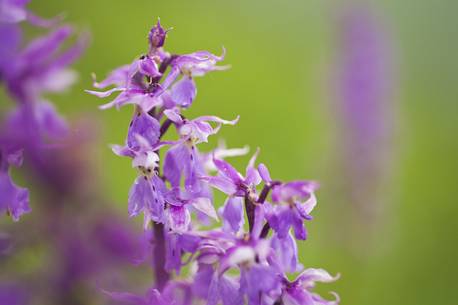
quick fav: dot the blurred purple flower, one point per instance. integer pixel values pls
(365, 90)
(14, 200)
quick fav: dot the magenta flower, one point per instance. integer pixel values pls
(231, 182)
(140, 84)
(298, 292)
(228, 263)
(293, 203)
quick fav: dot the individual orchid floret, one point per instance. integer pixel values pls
(199, 129)
(135, 84)
(146, 195)
(183, 159)
(231, 182)
(144, 126)
(194, 64)
(292, 204)
(14, 200)
(156, 36)
(298, 292)
(180, 205)
(249, 256)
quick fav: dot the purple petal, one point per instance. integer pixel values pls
(52, 124)
(252, 176)
(202, 280)
(307, 207)
(145, 196)
(144, 125)
(177, 162)
(103, 94)
(299, 228)
(205, 206)
(184, 92)
(264, 172)
(286, 253)
(228, 171)
(221, 183)
(118, 77)
(178, 218)
(43, 48)
(311, 275)
(210, 118)
(13, 11)
(11, 38)
(232, 214)
(229, 291)
(173, 253)
(174, 115)
(156, 36)
(256, 287)
(147, 66)
(281, 219)
(122, 151)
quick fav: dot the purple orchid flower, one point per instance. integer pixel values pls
(139, 83)
(183, 159)
(180, 206)
(292, 204)
(298, 291)
(232, 183)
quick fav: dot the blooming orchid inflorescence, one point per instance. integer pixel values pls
(237, 262)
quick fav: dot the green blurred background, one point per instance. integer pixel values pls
(281, 53)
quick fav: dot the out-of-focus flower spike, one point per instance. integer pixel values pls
(73, 53)
(44, 22)
(44, 47)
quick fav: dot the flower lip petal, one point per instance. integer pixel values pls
(264, 172)
(311, 275)
(205, 206)
(103, 94)
(228, 171)
(225, 185)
